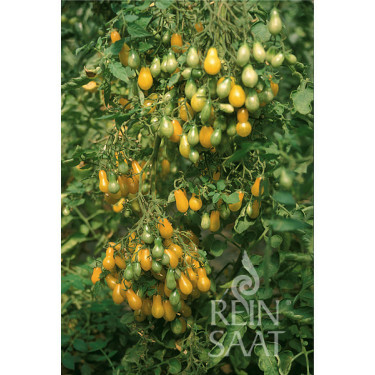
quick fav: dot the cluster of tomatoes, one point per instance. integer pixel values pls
(157, 276)
(201, 104)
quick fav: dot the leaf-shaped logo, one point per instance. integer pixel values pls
(244, 284)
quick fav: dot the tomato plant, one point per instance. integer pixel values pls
(187, 157)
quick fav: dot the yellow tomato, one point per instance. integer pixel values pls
(243, 129)
(237, 96)
(145, 79)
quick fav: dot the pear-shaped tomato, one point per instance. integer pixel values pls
(277, 60)
(236, 206)
(165, 228)
(134, 60)
(206, 112)
(193, 136)
(192, 58)
(169, 313)
(171, 62)
(205, 222)
(243, 55)
(176, 43)
(193, 155)
(205, 136)
(255, 189)
(124, 54)
(199, 99)
(252, 101)
(243, 129)
(184, 147)
(96, 275)
(135, 302)
(177, 131)
(166, 127)
(237, 96)
(195, 203)
(145, 79)
(103, 181)
(117, 295)
(258, 52)
(249, 76)
(163, 65)
(291, 59)
(216, 137)
(146, 306)
(204, 283)
(155, 67)
(182, 203)
(274, 24)
(255, 209)
(184, 284)
(214, 221)
(212, 64)
(190, 88)
(223, 88)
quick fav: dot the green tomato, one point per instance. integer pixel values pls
(156, 266)
(174, 297)
(176, 327)
(193, 155)
(206, 112)
(192, 58)
(249, 76)
(137, 269)
(157, 251)
(243, 55)
(223, 88)
(123, 167)
(166, 37)
(252, 101)
(216, 137)
(266, 96)
(277, 60)
(275, 25)
(190, 88)
(134, 60)
(163, 65)
(291, 59)
(205, 222)
(154, 124)
(196, 73)
(259, 53)
(171, 62)
(193, 136)
(286, 180)
(113, 186)
(155, 68)
(170, 280)
(186, 73)
(177, 307)
(147, 236)
(166, 127)
(212, 87)
(249, 210)
(224, 211)
(271, 52)
(165, 259)
(128, 273)
(231, 129)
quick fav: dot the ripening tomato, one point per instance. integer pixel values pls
(144, 257)
(182, 203)
(124, 54)
(255, 189)
(192, 276)
(237, 96)
(116, 295)
(184, 146)
(199, 99)
(242, 115)
(146, 307)
(212, 63)
(120, 262)
(133, 185)
(214, 221)
(236, 206)
(195, 203)
(252, 101)
(111, 281)
(243, 55)
(145, 79)
(135, 302)
(243, 129)
(185, 112)
(119, 206)
(177, 131)
(205, 136)
(165, 167)
(198, 27)
(255, 209)
(169, 313)
(177, 249)
(173, 259)
(96, 275)
(157, 309)
(204, 283)
(103, 181)
(274, 88)
(176, 43)
(109, 263)
(115, 36)
(124, 189)
(110, 252)
(165, 228)
(184, 284)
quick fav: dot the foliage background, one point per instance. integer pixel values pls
(97, 336)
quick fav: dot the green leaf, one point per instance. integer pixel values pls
(285, 360)
(174, 366)
(80, 345)
(174, 79)
(276, 241)
(233, 198)
(137, 29)
(266, 360)
(116, 47)
(68, 361)
(261, 32)
(96, 345)
(164, 4)
(127, 318)
(73, 241)
(144, 46)
(130, 18)
(118, 71)
(287, 225)
(218, 247)
(215, 198)
(284, 197)
(220, 185)
(302, 99)
(171, 197)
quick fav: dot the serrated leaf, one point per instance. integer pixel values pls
(302, 99)
(118, 71)
(285, 360)
(260, 30)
